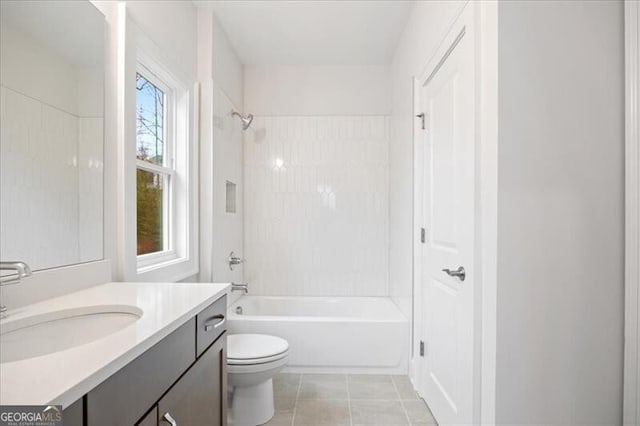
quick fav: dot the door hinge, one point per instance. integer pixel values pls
(421, 348)
(423, 235)
(421, 117)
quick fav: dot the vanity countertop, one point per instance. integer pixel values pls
(65, 376)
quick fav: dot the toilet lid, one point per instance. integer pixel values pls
(254, 346)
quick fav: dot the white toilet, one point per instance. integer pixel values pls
(252, 361)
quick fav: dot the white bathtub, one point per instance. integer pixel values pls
(330, 334)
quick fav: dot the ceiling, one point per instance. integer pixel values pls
(312, 32)
(73, 29)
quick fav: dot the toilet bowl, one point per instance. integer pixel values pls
(252, 361)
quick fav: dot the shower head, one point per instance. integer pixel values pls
(246, 121)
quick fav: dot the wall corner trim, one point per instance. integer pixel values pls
(632, 214)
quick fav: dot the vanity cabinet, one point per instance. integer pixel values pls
(151, 419)
(182, 378)
(73, 415)
(198, 398)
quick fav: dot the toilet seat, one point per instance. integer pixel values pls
(254, 349)
(256, 361)
(243, 369)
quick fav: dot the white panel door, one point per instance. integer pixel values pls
(446, 98)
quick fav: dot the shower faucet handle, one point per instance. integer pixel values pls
(234, 260)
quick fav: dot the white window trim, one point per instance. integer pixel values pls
(182, 260)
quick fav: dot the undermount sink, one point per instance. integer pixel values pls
(43, 334)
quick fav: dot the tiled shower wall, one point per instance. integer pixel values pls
(51, 179)
(316, 205)
(51, 154)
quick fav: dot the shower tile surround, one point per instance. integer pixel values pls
(51, 154)
(59, 186)
(316, 198)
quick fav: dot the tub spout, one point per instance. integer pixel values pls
(244, 287)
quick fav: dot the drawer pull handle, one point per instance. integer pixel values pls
(167, 418)
(214, 322)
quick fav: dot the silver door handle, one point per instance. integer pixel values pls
(459, 273)
(167, 418)
(214, 322)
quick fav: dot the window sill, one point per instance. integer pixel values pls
(173, 270)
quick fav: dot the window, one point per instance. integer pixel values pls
(164, 217)
(153, 166)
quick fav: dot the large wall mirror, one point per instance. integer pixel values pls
(51, 141)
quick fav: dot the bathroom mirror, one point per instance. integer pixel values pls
(51, 132)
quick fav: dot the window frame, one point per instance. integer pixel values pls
(167, 170)
(182, 259)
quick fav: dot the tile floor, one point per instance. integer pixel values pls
(339, 399)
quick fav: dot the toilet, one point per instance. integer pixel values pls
(252, 361)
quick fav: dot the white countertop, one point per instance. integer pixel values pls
(65, 376)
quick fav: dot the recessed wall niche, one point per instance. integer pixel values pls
(231, 197)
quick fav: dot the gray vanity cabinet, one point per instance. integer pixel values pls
(128, 394)
(151, 419)
(181, 379)
(73, 415)
(198, 398)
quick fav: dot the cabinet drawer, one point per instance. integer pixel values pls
(211, 323)
(126, 396)
(200, 396)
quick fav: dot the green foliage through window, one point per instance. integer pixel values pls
(149, 211)
(150, 148)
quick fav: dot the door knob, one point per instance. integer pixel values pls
(459, 273)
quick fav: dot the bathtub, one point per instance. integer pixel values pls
(330, 334)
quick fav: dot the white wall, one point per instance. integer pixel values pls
(560, 206)
(424, 31)
(317, 90)
(632, 216)
(172, 25)
(221, 74)
(227, 70)
(559, 166)
(30, 67)
(316, 180)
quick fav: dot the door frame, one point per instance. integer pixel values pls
(632, 210)
(479, 21)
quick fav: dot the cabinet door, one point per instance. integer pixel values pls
(199, 398)
(73, 414)
(151, 419)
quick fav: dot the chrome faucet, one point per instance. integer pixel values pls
(244, 287)
(234, 260)
(20, 270)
